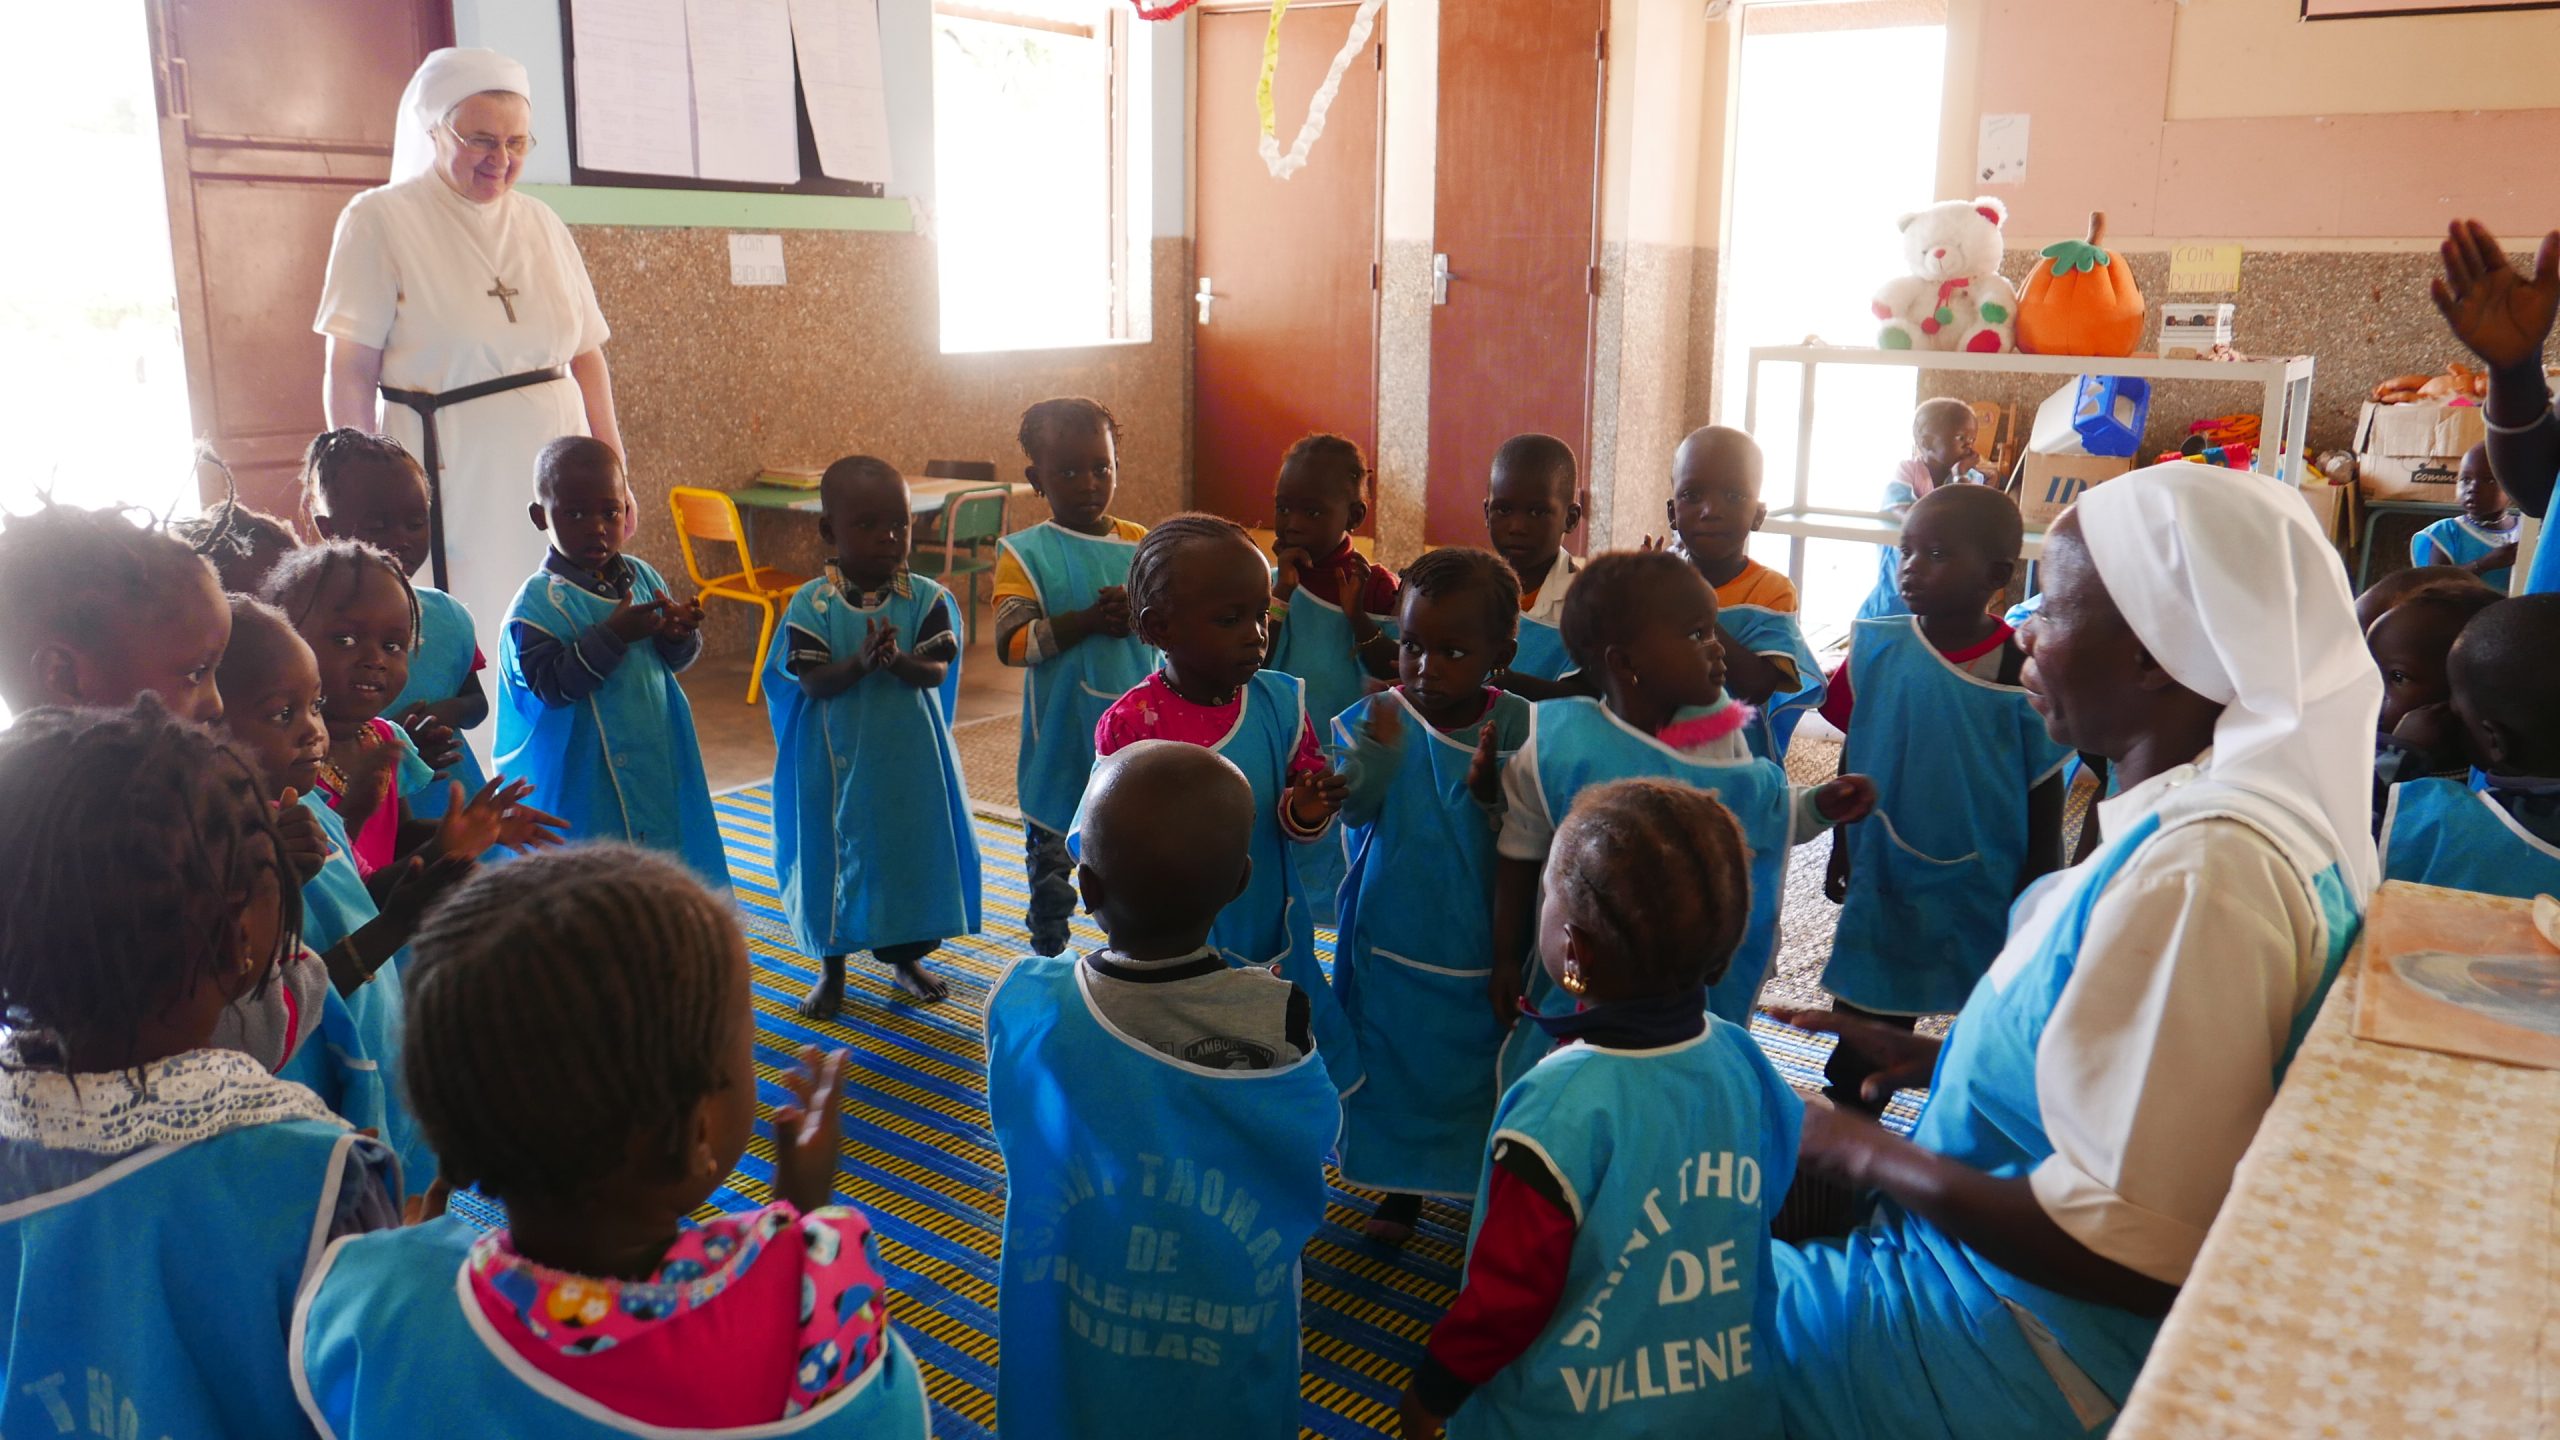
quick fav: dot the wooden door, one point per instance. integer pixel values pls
(1289, 342)
(1515, 213)
(273, 114)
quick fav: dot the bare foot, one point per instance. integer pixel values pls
(920, 985)
(1393, 1220)
(826, 998)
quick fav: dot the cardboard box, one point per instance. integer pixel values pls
(2052, 482)
(2190, 332)
(2412, 451)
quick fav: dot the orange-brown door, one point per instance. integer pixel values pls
(273, 114)
(1514, 221)
(1285, 341)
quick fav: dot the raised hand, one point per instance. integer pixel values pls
(806, 1130)
(525, 828)
(684, 618)
(1484, 768)
(469, 826)
(439, 744)
(1652, 544)
(305, 845)
(2503, 317)
(880, 645)
(1315, 796)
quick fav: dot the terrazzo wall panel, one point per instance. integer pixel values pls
(714, 381)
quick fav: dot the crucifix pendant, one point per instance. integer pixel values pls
(504, 296)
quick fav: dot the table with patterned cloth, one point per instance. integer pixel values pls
(2388, 1262)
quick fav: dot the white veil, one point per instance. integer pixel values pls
(2233, 589)
(446, 79)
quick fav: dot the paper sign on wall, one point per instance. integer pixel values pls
(2000, 156)
(2204, 270)
(755, 259)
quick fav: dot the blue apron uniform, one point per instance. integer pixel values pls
(2438, 832)
(1063, 697)
(622, 764)
(1315, 645)
(358, 1074)
(1933, 871)
(438, 670)
(1541, 651)
(157, 1303)
(1413, 962)
(1675, 1159)
(1928, 1321)
(1268, 925)
(2544, 577)
(1577, 743)
(2464, 539)
(1150, 1282)
(1763, 631)
(872, 843)
(384, 1349)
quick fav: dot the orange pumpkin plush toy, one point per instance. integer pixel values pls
(2080, 300)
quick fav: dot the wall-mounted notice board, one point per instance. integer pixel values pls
(771, 95)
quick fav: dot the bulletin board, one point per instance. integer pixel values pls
(768, 96)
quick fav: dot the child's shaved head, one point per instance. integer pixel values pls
(1982, 516)
(1166, 833)
(2506, 686)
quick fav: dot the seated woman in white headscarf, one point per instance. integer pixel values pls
(2087, 1111)
(449, 290)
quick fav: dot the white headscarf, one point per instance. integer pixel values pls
(2233, 589)
(446, 79)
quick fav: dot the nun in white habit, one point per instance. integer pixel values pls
(2087, 1110)
(449, 292)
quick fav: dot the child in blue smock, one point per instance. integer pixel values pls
(1062, 613)
(2411, 638)
(1644, 625)
(1201, 596)
(1532, 501)
(1164, 1117)
(1714, 508)
(161, 1200)
(2482, 539)
(1619, 1274)
(366, 487)
(1968, 784)
(582, 1047)
(1417, 937)
(2498, 831)
(1943, 433)
(272, 712)
(590, 711)
(1332, 611)
(873, 849)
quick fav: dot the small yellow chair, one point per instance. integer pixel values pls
(710, 515)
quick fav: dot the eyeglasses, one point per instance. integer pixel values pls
(516, 146)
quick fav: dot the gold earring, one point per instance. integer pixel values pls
(1571, 980)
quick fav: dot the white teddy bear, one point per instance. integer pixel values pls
(1954, 298)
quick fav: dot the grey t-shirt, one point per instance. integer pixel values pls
(1199, 1009)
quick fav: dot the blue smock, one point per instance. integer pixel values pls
(1673, 1159)
(2466, 541)
(624, 763)
(155, 1298)
(438, 670)
(1576, 743)
(1416, 952)
(1764, 631)
(1934, 869)
(2439, 832)
(360, 1080)
(872, 842)
(1900, 1329)
(1149, 1282)
(387, 1343)
(1063, 697)
(1315, 645)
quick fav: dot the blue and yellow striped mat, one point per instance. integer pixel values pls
(919, 1157)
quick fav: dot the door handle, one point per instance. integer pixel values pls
(1439, 279)
(1204, 297)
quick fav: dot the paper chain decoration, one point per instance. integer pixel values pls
(1281, 165)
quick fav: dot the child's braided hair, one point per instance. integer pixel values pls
(564, 1007)
(1463, 569)
(333, 565)
(1661, 875)
(1611, 599)
(1046, 420)
(326, 461)
(1151, 569)
(130, 843)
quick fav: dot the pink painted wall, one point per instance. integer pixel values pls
(2095, 78)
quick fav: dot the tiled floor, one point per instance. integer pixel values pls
(737, 739)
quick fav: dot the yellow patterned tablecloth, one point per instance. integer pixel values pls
(2388, 1263)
